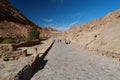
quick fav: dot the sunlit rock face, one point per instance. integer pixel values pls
(14, 24)
(9, 13)
(102, 33)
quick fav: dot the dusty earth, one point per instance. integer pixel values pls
(9, 69)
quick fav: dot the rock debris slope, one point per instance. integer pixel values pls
(103, 34)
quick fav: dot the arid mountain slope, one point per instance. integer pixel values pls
(103, 34)
(9, 13)
(13, 24)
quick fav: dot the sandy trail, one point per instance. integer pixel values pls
(68, 63)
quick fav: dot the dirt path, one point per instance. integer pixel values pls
(68, 63)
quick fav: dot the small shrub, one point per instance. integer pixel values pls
(44, 38)
(6, 41)
(33, 34)
(18, 40)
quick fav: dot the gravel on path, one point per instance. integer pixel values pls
(68, 63)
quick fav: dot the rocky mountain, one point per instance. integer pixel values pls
(14, 24)
(9, 13)
(51, 32)
(102, 34)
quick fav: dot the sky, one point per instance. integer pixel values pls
(62, 14)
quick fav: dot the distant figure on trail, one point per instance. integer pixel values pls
(67, 41)
(60, 40)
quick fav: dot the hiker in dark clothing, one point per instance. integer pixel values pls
(60, 40)
(66, 41)
(69, 42)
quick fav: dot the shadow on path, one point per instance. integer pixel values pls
(41, 63)
(40, 66)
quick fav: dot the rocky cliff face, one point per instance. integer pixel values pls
(13, 24)
(9, 13)
(102, 34)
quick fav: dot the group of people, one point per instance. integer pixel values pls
(65, 41)
(59, 40)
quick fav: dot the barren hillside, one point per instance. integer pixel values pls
(102, 34)
(13, 24)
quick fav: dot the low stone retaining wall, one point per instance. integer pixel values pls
(7, 52)
(28, 70)
(13, 55)
(27, 44)
(7, 47)
(10, 50)
(13, 47)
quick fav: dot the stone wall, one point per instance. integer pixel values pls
(9, 51)
(13, 55)
(27, 44)
(7, 47)
(28, 70)
(6, 50)
(17, 54)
